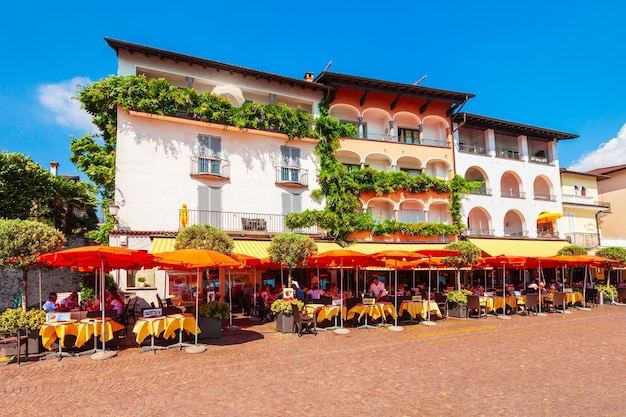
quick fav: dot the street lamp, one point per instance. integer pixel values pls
(113, 210)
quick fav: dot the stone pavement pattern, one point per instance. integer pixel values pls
(559, 365)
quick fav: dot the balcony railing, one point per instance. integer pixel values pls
(479, 231)
(292, 175)
(585, 200)
(472, 149)
(544, 197)
(508, 153)
(229, 221)
(481, 191)
(435, 142)
(512, 194)
(211, 166)
(586, 240)
(515, 233)
(547, 234)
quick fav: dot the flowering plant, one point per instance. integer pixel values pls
(458, 296)
(282, 306)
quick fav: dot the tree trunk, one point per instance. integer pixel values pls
(24, 289)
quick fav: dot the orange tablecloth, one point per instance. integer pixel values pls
(93, 327)
(421, 308)
(185, 321)
(148, 326)
(375, 311)
(52, 330)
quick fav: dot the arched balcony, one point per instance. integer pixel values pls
(479, 223)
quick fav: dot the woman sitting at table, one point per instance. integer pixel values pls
(315, 292)
(333, 291)
(71, 301)
(116, 302)
(50, 306)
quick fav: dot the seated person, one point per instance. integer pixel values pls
(298, 293)
(315, 292)
(50, 306)
(377, 288)
(116, 302)
(71, 302)
(333, 291)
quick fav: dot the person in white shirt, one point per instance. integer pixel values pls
(315, 292)
(377, 288)
(50, 306)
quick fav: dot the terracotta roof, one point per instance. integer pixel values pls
(607, 170)
(504, 126)
(191, 60)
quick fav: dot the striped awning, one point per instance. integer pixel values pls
(369, 248)
(162, 244)
(511, 247)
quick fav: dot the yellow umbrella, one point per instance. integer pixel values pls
(548, 217)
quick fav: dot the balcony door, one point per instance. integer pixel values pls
(209, 154)
(290, 168)
(210, 206)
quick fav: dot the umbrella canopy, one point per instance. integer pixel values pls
(105, 258)
(198, 259)
(246, 261)
(231, 93)
(548, 217)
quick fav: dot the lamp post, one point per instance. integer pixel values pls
(113, 210)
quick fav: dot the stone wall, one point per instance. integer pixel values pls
(55, 280)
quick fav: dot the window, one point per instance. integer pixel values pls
(408, 135)
(352, 167)
(209, 153)
(210, 206)
(412, 172)
(356, 124)
(140, 278)
(292, 203)
(290, 170)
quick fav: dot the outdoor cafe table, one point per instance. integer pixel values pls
(498, 303)
(327, 312)
(52, 330)
(93, 327)
(182, 322)
(419, 308)
(149, 326)
(375, 311)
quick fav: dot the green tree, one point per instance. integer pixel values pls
(21, 242)
(469, 256)
(203, 236)
(291, 249)
(25, 187)
(571, 250)
(613, 252)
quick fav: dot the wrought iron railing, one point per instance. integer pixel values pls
(210, 165)
(230, 221)
(583, 199)
(544, 197)
(292, 175)
(472, 149)
(479, 231)
(512, 194)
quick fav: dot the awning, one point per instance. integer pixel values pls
(162, 244)
(369, 248)
(510, 247)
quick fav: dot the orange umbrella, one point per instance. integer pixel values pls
(106, 258)
(342, 258)
(504, 260)
(197, 259)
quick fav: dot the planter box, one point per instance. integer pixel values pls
(209, 328)
(32, 346)
(456, 310)
(284, 323)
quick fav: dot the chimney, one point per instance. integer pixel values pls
(54, 165)
(309, 77)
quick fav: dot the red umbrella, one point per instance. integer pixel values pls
(397, 255)
(342, 258)
(106, 258)
(198, 259)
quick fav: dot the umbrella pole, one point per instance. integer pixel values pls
(103, 354)
(503, 316)
(196, 348)
(395, 327)
(428, 322)
(341, 330)
(40, 299)
(230, 300)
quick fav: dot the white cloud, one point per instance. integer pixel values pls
(608, 154)
(65, 110)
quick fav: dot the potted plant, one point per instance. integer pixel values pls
(141, 281)
(210, 318)
(31, 320)
(457, 303)
(284, 316)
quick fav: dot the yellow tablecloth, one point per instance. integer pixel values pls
(498, 302)
(52, 330)
(375, 311)
(93, 326)
(148, 326)
(310, 309)
(185, 321)
(329, 312)
(421, 308)
(573, 298)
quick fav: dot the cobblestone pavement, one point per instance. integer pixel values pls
(558, 365)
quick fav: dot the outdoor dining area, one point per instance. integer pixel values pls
(387, 289)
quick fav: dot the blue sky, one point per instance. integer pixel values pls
(558, 65)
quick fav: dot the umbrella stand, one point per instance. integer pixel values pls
(196, 348)
(230, 300)
(428, 321)
(503, 316)
(341, 329)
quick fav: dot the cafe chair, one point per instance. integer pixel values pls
(15, 338)
(591, 297)
(327, 300)
(473, 304)
(555, 305)
(302, 320)
(532, 304)
(621, 295)
(442, 303)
